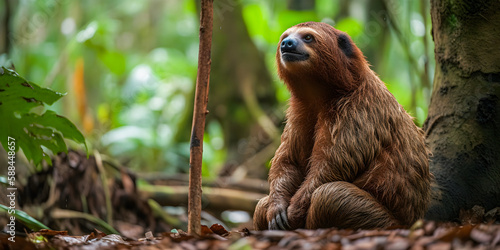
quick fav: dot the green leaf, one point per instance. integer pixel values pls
(24, 218)
(30, 131)
(63, 125)
(14, 87)
(48, 138)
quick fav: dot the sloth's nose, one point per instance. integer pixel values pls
(289, 44)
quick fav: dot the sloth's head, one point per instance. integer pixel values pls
(319, 52)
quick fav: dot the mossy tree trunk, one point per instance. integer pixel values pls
(463, 126)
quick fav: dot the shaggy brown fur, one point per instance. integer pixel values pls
(350, 155)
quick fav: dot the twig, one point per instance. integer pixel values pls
(200, 112)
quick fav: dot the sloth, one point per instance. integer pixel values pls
(350, 155)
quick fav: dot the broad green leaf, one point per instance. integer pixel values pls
(32, 132)
(48, 138)
(13, 87)
(61, 124)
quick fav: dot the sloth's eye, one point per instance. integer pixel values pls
(308, 38)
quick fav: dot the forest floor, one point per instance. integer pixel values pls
(424, 235)
(68, 193)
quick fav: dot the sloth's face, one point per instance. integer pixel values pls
(296, 45)
(317, 52)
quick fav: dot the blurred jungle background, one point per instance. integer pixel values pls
(129, 69)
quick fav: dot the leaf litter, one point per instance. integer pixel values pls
(429, 235)
(139, 229)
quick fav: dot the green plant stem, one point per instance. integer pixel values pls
(104, 180)
(58, 213)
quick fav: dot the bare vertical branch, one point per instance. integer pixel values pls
(200, 112)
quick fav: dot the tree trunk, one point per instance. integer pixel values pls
(463, 126)
(244, 87)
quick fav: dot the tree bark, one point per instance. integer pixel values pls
(200, 112)
(463, 126)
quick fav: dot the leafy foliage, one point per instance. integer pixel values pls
(32, 132)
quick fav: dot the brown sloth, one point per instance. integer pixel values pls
(350, 155)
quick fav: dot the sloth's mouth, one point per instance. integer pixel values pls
(293, 56)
